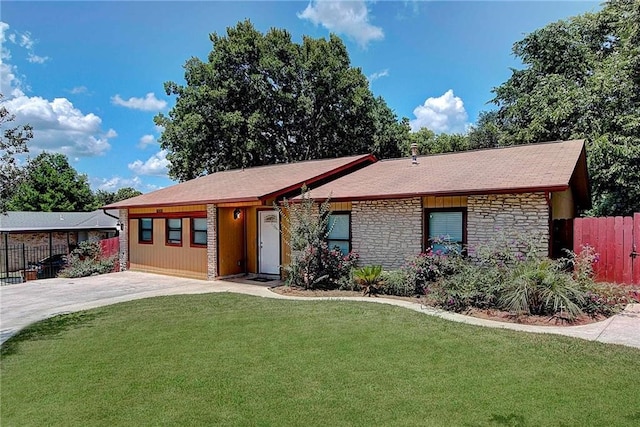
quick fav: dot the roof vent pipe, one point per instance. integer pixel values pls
(414, 154)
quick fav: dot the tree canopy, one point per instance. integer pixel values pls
(263, 99)
(52, 185)
(581, 79)
(13, 141)
(104, 198)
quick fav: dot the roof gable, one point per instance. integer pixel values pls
(250, 184)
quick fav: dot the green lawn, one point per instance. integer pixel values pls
(224, 359)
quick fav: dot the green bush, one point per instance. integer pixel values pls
(470, 286)
(397, 283)
(87, 260)
(495, 275)
(542, 287)
(605, 299)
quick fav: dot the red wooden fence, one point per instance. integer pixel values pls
(110, 247)
(617, 241)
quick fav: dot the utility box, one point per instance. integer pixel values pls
(30, 274)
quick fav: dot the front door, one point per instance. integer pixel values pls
(269, 242)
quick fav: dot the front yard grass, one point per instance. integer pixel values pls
(224, 359)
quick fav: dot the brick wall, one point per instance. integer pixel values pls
(511, 214)
(124, 239)
(212, 246)
(37, 240)
(386, 232)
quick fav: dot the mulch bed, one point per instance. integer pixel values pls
(497, 315)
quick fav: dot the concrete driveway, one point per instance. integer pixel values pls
(23, 304)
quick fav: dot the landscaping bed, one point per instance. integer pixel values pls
(489, 314)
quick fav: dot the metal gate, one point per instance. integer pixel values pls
(21, 262)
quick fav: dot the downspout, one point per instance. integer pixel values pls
(118, 224)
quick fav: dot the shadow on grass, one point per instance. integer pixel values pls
(46, 329)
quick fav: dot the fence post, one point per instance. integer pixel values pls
(6, 250)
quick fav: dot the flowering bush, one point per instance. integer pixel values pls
(604, 299)
(430, 266)
(313, 265)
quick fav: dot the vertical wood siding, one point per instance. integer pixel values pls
(432, 202)
(183, 261)
(167, 209)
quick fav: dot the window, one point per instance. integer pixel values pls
(198, 231)
(145, 230)
(174, 231)
(340, 232)
(446, 224)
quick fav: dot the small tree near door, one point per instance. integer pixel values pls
(313, 264)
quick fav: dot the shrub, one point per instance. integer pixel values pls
(605, 299)
(430, 266)
(313, 264)
(541, 287)
(87, 260)
(397, 283)
(470, 286)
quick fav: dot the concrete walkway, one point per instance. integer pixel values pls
(23, 304)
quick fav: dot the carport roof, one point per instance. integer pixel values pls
(48, 221)
(247, 185)
(551, 166)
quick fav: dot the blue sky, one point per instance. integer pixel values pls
(88, 76)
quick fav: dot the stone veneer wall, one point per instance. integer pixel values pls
(123, 214)
(212, 246)
(386, 232)
(511, 214)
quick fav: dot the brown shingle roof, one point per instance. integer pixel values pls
(251, 184)
(534, 167)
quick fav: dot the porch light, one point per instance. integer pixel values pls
(236, 213)
(119, 226)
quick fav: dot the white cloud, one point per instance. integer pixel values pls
(10, 85)
(445, 113)
(345, 17)
(35, 59)
(79, 90)
(148, 103)
(4, 52)
(146, 140)
(156, 165)
(116, 182)
(375, 76)
(59, 126)
(23, 40)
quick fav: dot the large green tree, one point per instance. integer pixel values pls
(581, 79)
(51, 184)
(104, 198)
(263, 99)
(13, 141)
